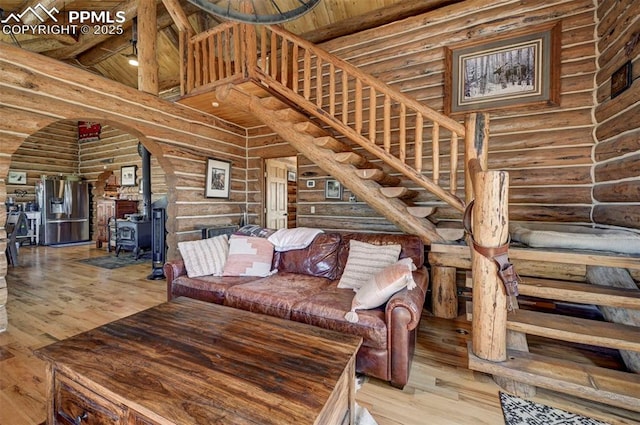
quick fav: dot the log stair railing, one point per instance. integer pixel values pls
(328, 153)
(380, 122)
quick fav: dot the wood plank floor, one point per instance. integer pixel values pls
(53, 296)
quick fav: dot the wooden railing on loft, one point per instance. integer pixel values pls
(390, 125)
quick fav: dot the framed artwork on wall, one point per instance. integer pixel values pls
(621, 79)
(332, 189)
(17, 177)
(511, 71)
(128, 175)
(218, 178)
(291, 176)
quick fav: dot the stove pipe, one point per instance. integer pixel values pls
(146, 181)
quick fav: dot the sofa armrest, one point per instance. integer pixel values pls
(172, 270)
(412, 300)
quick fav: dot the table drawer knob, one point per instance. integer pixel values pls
(74, 421)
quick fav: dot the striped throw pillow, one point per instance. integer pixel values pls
(205, 257)
(365, 260)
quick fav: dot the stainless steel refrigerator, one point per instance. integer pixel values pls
(65, 210)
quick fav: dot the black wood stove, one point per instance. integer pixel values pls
(133, 235)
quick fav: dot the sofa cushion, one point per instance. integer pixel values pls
(205, 257)
(248, 256)
(276, 294)
(207, 288)
(328, 308)
(319, 259)
(412, 246)
(364, 260)
(377, 290)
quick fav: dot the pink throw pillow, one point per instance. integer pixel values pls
(377, 290)
(248, 256)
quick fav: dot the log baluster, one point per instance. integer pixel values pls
(403, 133)
(319, 82)
(306, 82)
(358, 106)
(387, 124)
(453, 176)
(332, 89)
(372, 115)
(435, 143)
(419, 142)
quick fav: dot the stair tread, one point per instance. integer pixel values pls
(595, 383)
(350, 158)
(420, 211)
(273, 103)
(399, 192)
(311, 129)
(378, 175)
(575, 329)
(328, 142)
(583, 293)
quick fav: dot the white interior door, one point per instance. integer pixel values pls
(276, 202)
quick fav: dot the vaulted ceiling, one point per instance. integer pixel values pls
(103, 50)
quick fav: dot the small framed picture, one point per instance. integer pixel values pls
(621, 79)
(291, 176)
(332, 189)
(218, 179)
(17, 177)
(311, 184)
(128, 175)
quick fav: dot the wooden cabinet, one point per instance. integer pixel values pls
(111, 208)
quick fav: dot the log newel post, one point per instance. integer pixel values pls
(490, 229)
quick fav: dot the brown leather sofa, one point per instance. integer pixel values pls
(305, 290)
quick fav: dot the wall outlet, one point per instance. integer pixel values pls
(313, 210)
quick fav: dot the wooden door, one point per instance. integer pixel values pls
(276, 196)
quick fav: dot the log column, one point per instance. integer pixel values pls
(490, 229)
(147, 43)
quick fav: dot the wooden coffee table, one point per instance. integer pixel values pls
(191, 362)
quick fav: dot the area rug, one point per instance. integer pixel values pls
(362, 415)
(113, 262)
(523, 412)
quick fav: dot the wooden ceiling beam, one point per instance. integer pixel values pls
(86, 42)
(375, 18)
(179, 16)
(116, 44)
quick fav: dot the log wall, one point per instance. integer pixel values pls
(546, 150)
(37, 91)
(617, 172)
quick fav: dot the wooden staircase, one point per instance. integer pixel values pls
(365, 180)
(588, 381)
(316, 95)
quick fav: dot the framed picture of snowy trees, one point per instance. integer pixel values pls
(520, 69)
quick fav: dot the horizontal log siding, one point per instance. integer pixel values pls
(52, 150)
(38, 91)
(548, 151)
(617, 173)
(263, 143)
(113, 150)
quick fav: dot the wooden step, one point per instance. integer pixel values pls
(379, 176)
(422, 212)
(290, 115)
(603, 385)
(450, 233)
(328, 142)
(273, 103)
(574, 329)
(398, 192)
(310, 128)
(351, 158)
(582, 293)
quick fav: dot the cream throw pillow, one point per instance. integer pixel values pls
(249, 256)
(364, 261)
(382, 286)
(205, 257)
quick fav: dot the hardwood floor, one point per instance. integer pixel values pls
(53, 296)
